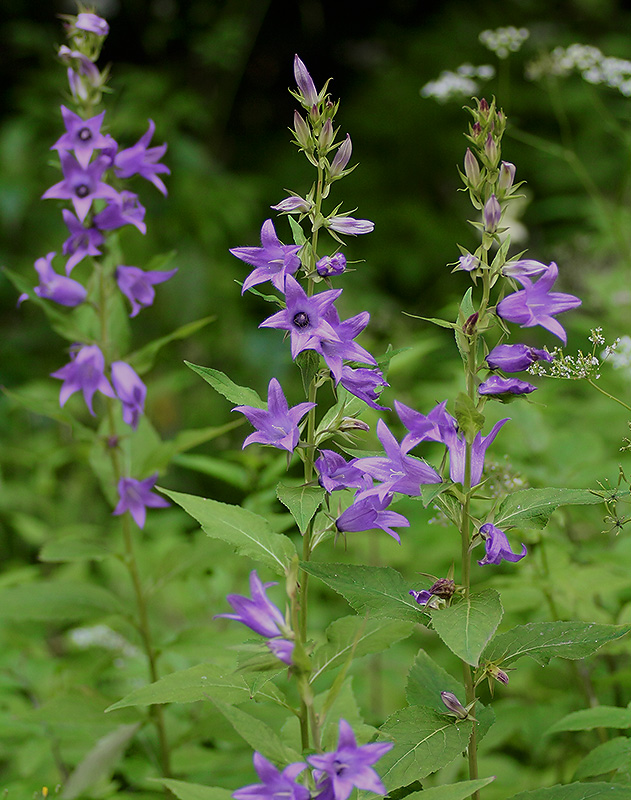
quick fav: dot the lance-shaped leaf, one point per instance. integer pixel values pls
(194, 791)
(467, 626)
(451, 791)
(258, 735)
(544, 640)
(250, 534)
(531, 508)
(142, 360)
(424, 741)
(357, 636)
(607, 757)
(240, 395)
(578, 791)
(378, 591)
(302, 502)
(597, 717)
(202, 682)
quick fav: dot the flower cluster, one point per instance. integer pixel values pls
(93, 168)
(504, 41)
(335, 774)
(459, 84)
(590, 62)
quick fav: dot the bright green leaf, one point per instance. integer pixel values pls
(578, 791)
(531, 508)
(424, 742)
(258, 735)
(302, 502)
(379, 591)
(240, 395)
(452, 791)
(605, 758)
(194, 791)
(545, 640)
(597, 717)
(250, 534)
(142, 360)
(467, 626)
(426, 680)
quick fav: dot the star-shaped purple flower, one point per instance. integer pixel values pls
(130, 390)
(457, 445)
(363, 383)
(398, 472)
(143, 160)
(273, 260)
(349, 766)
(84, 373)
(498, 547)
(125, 209)
(82, 136)
(535, 304)
(430, 427)
(137, 285)
(278, 426)
(59, 288)
(274, 784)
(335, 472)
(344, 347)
(136, 497)
(81, 185)
(305, 317)
(82, 241)
(371, 511)
(258, 612)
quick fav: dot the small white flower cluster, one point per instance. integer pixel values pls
(619, 353)
(580, 366)
(459, 84)
(593, 66)
(103, 636)
(504, 41)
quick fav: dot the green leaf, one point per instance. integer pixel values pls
(249, 534)
(442, 323)
(430, 491)
(358, 636)
(544, 640)
(258, 735)
(607, 757)
(220, 468)
(100, 761)
(302, 502)
(424, 741)
(194, 791)
(533, 507)
(597, 717)
(240, 395)
(202, 682)
(74, 548)
(452, 791)
(469, 419)
(578, 791)
(309, 363)
(467, 626)
(296, 231)
(142, 360)
(426, 680)
(380, 591)
(57, 600)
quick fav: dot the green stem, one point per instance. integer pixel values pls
(610, 396)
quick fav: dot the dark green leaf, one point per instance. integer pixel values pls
(240, 395)
(470, 421)
(605, 758)
(302, 501)
(531, 508)
(597, 717)
(578, 791)
(258, 735)
(467, 626)
(452, 791)
(195, 791)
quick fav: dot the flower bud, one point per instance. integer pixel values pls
(306, 86)
(495, 672)
(350, 225)
(468, 262)
(326, 135)
(483, 108)
(470, 323)
(342, 157)
(492, 214)
(472, 169)
(303, 134)
(292, 204)
(352, 424)
(507, 176)
(444, 587)
(331, 265)
(454, 705)
(490, 149)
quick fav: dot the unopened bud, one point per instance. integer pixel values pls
(303, 134)
(476, 129)
(468, 262)
(490, 149)
(492, 214)
(507, 176)
(292, 204)
(331, 265)
(342, 157)
(306, 86)
(483, 107)
(454, 705)
(352, 424)
(326, 135)
(471, 168)
(493, 671)
(469, 326)
(444, 587)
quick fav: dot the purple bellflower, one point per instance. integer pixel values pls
(335, 472)
(331, 265)
(398, 472)
(515, 357)
(368, 512)
(499, 387)
(81, 71)
(498, 547)
(274, 784)
(430, 427)
(492, 214)
(136, 497)
(305, 317)
(350, 225)
(283, 649)
(82, 136)
(468, 262)
(524, 267)
(92, 23)
(421, 596)
(363, 383)
(130, 390)
(294, 204)
(273, 260)
(58, 288)
(278, 426)
(342, 157)
(84, 373)
(125, 209)
(535, 304)
(143, 160)
(457, 445)
(137, 285)
(349, 766)
(306, 86)
(344, 347)
(80, 185)
(82, 241)
(258, 613)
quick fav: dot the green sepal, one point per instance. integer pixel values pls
(469, 419)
